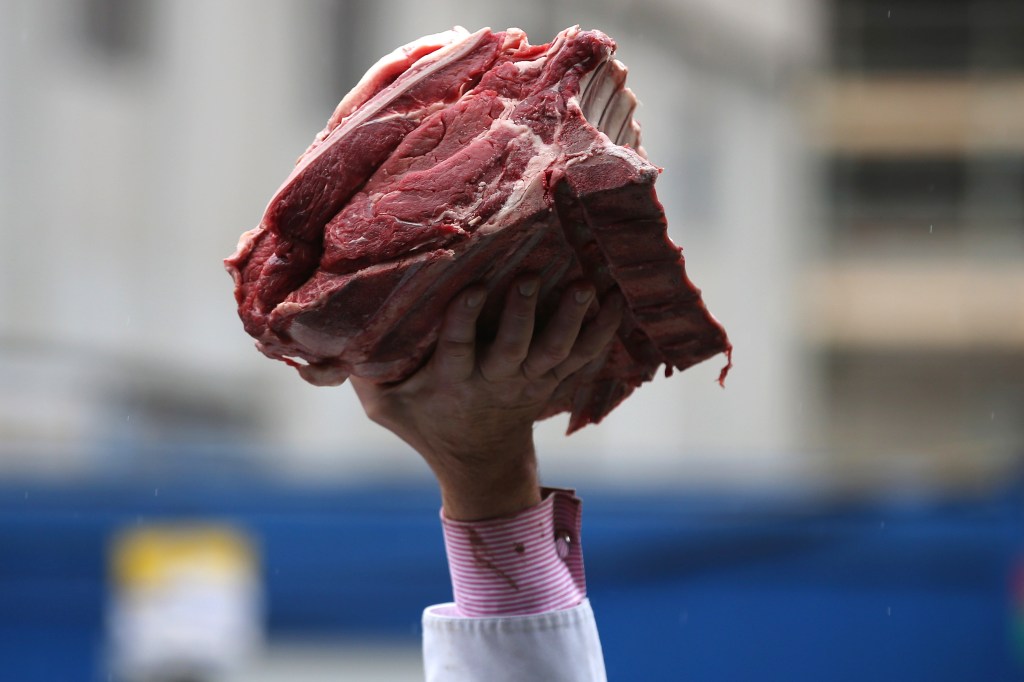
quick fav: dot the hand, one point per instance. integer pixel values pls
(469, 411)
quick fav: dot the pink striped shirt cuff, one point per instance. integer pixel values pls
(528, 563)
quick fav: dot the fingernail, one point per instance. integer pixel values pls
(528, 288)
(583, 296)
(475, 299)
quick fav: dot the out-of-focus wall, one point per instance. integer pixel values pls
(140, 139)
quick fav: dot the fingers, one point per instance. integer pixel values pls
(595, 337)
(562, 348)
(455, 356)
(555, 343)
(505, 356)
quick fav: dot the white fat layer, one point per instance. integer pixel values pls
(414, 114)
(355, 97)
(514, 37)
(531, 65)
(425, 68)
(421, 70)
(402, 54)
(449, 36)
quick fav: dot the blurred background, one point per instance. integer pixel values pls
(847, 180)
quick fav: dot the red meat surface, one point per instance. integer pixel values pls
(472, 158)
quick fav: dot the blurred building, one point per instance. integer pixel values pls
(140, 138)
(915, 305)
(847, 180)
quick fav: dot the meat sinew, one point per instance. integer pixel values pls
(468, 158)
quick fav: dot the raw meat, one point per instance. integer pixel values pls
(464, 158)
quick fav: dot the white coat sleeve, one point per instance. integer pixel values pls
(556, 646)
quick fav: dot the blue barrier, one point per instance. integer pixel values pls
(687, 587)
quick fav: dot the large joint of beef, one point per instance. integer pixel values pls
(472, 158)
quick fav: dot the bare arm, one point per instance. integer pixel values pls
(469, 411)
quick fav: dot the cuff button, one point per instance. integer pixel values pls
(563, 542)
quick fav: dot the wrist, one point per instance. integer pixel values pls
(475, 494)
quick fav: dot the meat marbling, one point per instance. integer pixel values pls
(472, 158)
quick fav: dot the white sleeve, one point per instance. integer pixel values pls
(556, 646)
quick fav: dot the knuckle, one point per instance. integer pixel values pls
(457, 334)
(510, 354)
(490, 374)
(520, 315)
(555, 353)
(456, 348)
(541, 388)
(461, 317)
